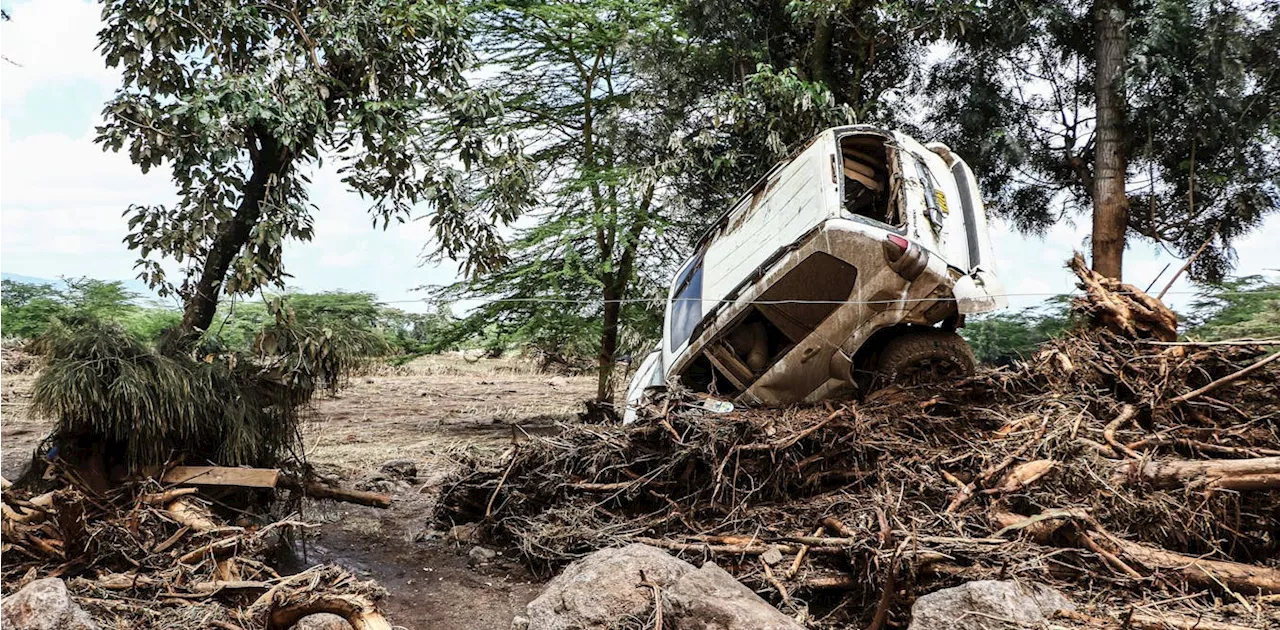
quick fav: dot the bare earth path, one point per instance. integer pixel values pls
(429, 412)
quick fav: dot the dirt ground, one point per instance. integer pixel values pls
(429, 411)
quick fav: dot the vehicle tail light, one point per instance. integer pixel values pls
(895, 247)
(905, 259)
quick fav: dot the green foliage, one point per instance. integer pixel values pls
(1016, 98)
(240, 100)
(29, 310)
(1247, 307)
(604, 140)
(355, 317)
(759, 78)
(1002, 337)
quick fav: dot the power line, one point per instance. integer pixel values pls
(586, 301)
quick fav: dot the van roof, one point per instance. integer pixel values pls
(723, 219)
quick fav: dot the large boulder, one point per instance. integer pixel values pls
(711, 599)
(987, 605)
(43, 605)
(603, 589)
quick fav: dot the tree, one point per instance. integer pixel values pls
(1236, 308)
(1003, 337)
(766, 75)
(31, 309)
(239, 100)
(565, 76)
(1110, 204)
(1055, 104)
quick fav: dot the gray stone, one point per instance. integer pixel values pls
(711, 599)
(988, 605)
(603, 589)
(468, 533)
(402, 468)
(43, 605)
(772, 555)
(323, 621)
(482, 554)
(520, 623)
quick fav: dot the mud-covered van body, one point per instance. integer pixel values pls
(854, 260)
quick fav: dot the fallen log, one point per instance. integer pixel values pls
(318, 490)
(166, 496)
(1244, 578)
(1259, 473)
(222, 476)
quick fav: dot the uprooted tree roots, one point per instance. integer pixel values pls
(161, 559)
(1089, 464)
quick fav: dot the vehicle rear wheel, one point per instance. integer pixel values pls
(927, 355)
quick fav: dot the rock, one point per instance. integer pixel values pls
(711, 599)
(323, 621)
(43, 605)
(772, 555)
(982, 605)
(468, 533)
(402, 468)
(481, 555)
(602, 589)
(520, 623)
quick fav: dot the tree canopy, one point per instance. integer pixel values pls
(1015, 95)
(239, 101)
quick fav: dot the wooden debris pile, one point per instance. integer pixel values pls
(1134, 469)
(147, 555)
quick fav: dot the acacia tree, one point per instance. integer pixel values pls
(1154, 117)
(239, 100)
(604, 142)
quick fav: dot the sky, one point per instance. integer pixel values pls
(62, 197)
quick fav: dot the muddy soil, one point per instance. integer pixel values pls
(430, 412)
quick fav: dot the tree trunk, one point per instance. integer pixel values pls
(608, 344)
(1110, 205)
(821, 51)
(269, 162)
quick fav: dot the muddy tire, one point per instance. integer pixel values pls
(924, 356)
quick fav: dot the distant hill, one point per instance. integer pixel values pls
(137, 286)
(17, 277)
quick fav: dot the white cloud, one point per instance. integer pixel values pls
(51, 43)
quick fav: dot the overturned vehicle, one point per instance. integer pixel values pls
(848, 266)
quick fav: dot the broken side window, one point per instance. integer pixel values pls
(686, 306)
(867, 191)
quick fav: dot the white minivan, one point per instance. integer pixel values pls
(851, 263)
